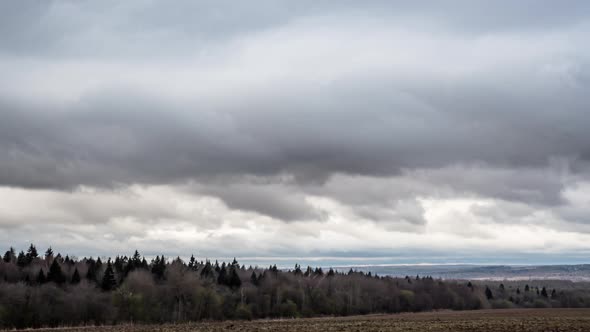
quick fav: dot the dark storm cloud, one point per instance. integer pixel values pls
(125, 139)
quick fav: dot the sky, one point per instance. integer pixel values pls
(340, 131)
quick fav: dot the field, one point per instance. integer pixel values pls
(514, 320)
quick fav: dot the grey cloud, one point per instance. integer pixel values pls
(124, 139)
(134, 28)
(507, 96)
(275, 200)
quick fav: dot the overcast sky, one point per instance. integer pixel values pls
(411, 131)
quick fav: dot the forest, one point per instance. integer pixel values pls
(49, 290)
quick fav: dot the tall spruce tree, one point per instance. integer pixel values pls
(234, 280)
(91, 271)
(108, 280)
(55, 273)
(254, 278)
(9, 256)
(222, 275)
(41, 277)
(192, 263)
(49, 254)
(21, 260)
(31, 254)
(75, 277)
(489, 294)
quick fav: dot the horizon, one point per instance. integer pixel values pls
(285, 262)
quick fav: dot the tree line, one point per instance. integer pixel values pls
(47, 290)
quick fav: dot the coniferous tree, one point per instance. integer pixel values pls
(91, 271)
(222, 276)
(144, 264)
(331, 273)
(489, 294)
(76, 277)
(9, 256)
(254, 278)
(41, 277)
(207, 270)
(136, 259)
(55, 273)
(544, 293)
(318, 271)
(159, 267)
(21, 260)
(108, 280)
(234, 279)
(48, 254)
(191, 263)
(31, 254)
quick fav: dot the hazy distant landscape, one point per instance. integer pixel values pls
(483, 272)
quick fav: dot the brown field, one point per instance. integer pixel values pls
(513, 320)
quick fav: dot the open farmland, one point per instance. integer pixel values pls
(515, 320)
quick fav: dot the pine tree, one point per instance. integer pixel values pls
(55, 273)
(49, 253)
(489, 294)
(21, 260)
(41, 277)
(144, 264)
(222, 276)
(8, 256)
(191, 263)
(76, 277)
(91, 272)
(254, 278)
(159, 267)
(207, 270)
(136, 259)
(31, 254)
(544, 292)
(108, 280)
(318, 271)
(234, 279)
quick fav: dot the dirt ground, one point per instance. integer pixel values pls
(513, 320)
